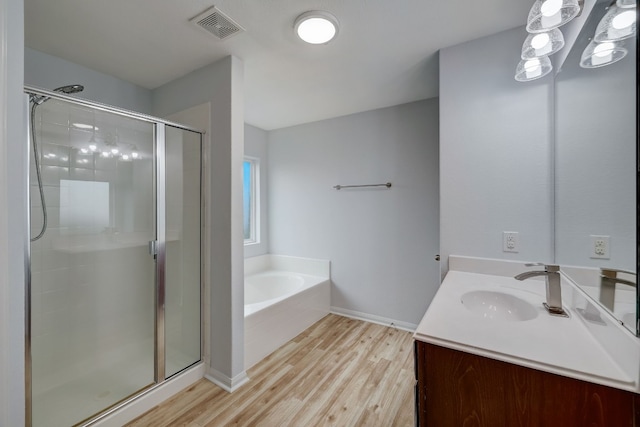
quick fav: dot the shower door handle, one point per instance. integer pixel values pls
(153, 248)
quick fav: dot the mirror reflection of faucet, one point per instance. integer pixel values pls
(591, 314)
(609, 277)
(551, 274)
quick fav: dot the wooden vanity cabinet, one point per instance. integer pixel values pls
(455, 388)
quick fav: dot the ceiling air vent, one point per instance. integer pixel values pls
(217, 23)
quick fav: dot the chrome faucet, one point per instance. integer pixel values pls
(554, 290)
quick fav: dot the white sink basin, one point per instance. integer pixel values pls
(498, 306)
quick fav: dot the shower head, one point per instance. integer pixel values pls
(70, 89)
(67, 90)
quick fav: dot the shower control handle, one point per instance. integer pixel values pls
(153, 248)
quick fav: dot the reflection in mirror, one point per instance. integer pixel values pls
(595, 183)
(84, 205)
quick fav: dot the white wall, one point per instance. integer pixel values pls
(255, 145)
(381, 242)
(221, 85)
(50, 72)
(13, 208)
(495, 152)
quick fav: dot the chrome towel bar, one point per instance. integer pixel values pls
(338, 187)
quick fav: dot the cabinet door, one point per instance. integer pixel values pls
(457, 388)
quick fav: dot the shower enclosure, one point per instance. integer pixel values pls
(114, 285)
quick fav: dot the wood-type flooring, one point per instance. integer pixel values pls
(339, 372)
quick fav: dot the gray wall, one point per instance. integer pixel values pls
(255, 145)
(49, 72)
(495, 152)
(381, 242)
(13, 213)
(596, 162)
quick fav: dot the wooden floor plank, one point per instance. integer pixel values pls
(403, 416)
(339, 372)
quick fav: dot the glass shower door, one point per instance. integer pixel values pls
(182, 261)
(92, 277)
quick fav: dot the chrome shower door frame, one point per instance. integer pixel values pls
(159, 188)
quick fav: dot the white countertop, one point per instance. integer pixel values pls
(564, 346)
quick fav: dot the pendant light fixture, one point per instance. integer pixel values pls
(544, 37)
(542, 44)
(600, 54)
(548, 14)
(533, 69)
(618, 23)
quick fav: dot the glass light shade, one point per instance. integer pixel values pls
(532, 69)
(542, 44)
(600, 54)
(548, 14)
(626, 3)
(316, 27)
(617, 24)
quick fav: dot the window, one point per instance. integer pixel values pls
(85, 206)
(250, 174)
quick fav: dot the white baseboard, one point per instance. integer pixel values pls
(152, 398)
(224, 382)
(405, 326)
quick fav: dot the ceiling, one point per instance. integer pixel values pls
(385, 53)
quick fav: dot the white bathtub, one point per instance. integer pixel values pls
(283, 297)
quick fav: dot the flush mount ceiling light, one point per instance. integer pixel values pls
(619, 23)
(316, 27)
(532, 69)
(548, 14)
(542, 44)
(600, 54)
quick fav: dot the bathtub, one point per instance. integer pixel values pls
(283, 297)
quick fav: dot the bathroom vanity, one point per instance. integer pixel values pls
(487, 353)
(455, 388)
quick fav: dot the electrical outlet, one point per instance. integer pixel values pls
(510, 241)
(599, 247)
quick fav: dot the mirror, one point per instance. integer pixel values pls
(595, 173)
